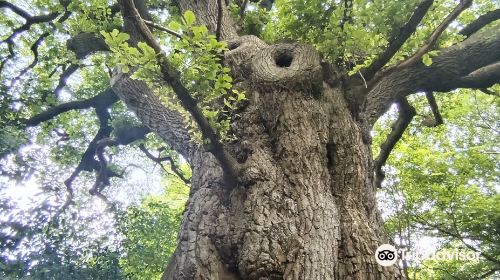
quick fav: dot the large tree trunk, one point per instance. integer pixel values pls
(304, 206)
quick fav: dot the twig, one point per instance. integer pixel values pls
(164, 29)
(159, 161)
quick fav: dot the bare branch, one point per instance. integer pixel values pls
(29, 22)
(404, 33)
(483, 77)
(465, 65)
(227, 162)
(161, 28)
(159, 160)
(10, 47)
(15, 9)
(406, 114)
(102, 178)
(34, 50)
(480, 22)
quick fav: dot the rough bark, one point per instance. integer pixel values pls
(305, 204)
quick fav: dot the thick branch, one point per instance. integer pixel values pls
(406, 114)
(15, 9)
(480, 22)
(405, 32)
(472, 63)
(63, 79)
(482, 77)
(105, 98)
(85, 44)
(139, 98)
(417, 56)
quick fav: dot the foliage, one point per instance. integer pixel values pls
(443, 183)
(150, 232)
(196, 56)
(354, 34)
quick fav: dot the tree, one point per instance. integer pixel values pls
(150, 233)
(275, 125)
(442, 184)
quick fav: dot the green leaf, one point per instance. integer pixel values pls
(427, 60)
(189, 17)
(174, 25)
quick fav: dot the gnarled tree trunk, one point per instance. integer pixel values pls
(304, 207)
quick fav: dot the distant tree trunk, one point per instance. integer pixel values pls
(304, 207)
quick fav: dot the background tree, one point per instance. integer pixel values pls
(276, 128)
(442, 183)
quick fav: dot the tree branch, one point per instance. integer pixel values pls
(464, 4)
(159, 160)
(438, 119)
(34, 50)
(15, 9)
(483, 77)
(480, 22)
(406, 114)
(105, 98)
(161, 28)
(416, 57)
(227, 162)
(472, 63)
(404, 33)
(63, 79)
(220, 14)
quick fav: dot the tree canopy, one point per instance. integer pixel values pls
(76, 130)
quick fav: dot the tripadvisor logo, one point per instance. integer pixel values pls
(387, 255)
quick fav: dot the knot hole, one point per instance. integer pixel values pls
(284, 59)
